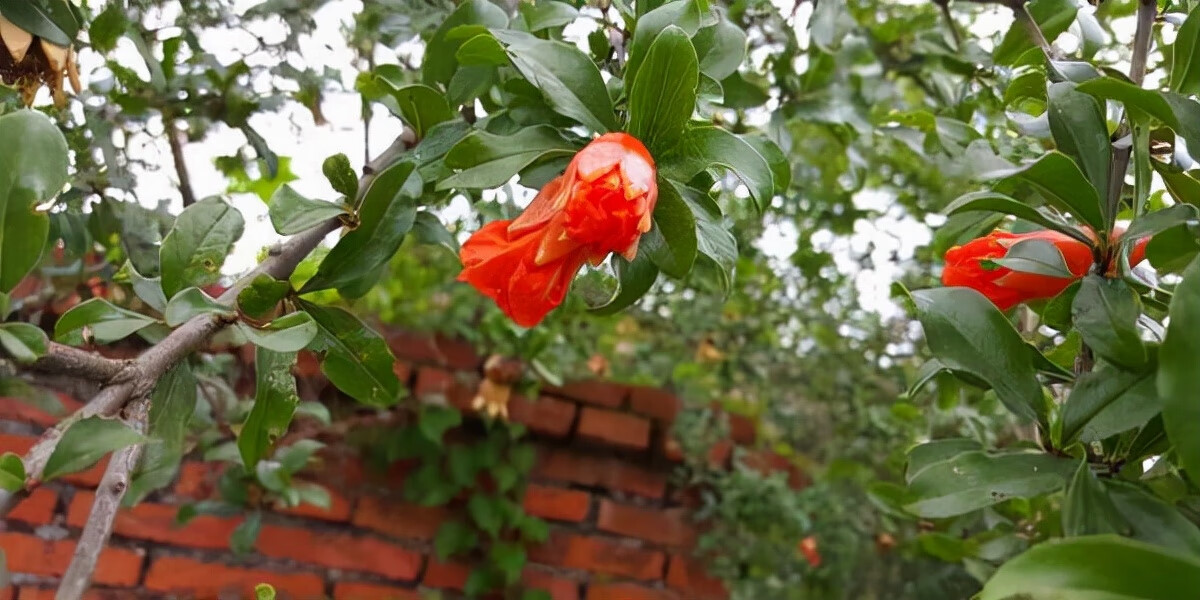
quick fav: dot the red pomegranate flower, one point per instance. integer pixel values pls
(970, 266)
(808, 547)
(600, 205)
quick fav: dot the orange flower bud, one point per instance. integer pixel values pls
(808, 547)
(600, 205)
(970, 266)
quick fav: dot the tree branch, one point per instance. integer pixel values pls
(1147, 11)
(61, 359)
(185, 180)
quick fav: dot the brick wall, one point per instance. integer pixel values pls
(618, 529)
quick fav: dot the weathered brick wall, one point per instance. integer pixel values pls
(619, 531)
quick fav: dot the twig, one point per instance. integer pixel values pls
(185, 180)
(944, 5)
(61, 359)
(1021, 14)
(1147, 11)
(99, 525)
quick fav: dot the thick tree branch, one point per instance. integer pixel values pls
(61, 359)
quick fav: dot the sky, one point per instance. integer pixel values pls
(291, 132)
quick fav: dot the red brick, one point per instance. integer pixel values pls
(614, 428)
(438, 350)
(559, 504)
(37, 509)
(669, 527)
(403, 371)
(655, 403)
(446, 575)
(457, 392)
(627, 591)
(599, 555)
(399, 519)
(546, 415)
(601, 393)
(603, 472)
(767, 462)
(742, 429)
(718, 454)
(21, 444)
(32, 555)
(457, 354)
(370, 591)
(156, 522)
(19, 409)
(207, 580)
(340, 551)
(198, 481)
(10, 593)
(559, 588)
(339, 508)
(689, 576)
(30, 593)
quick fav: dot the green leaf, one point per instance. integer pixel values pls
(275, 401)
(1179, 362)
(355, 358)
(720, 48)
(1160, 220)
(245, 536)
(1097, 567)
(705, 147)
(1176, 111)
(509, 558)
(1105, 312)
(741, 94)
(264, 591)
(85, 443)
(488, 160)
(633, 281)
(440, 63)
(435, 421)
(684, 14)
(663, 95)
(547, 14)
(930, 453)
(289, 333)
(428, 229)
(107, 27)
(262, 295)
(387, 213)
(487, 513)
(193, 252)
(671, 243)
(1060, 182)
(454, 537)
(483, 50)
(297, 456)
(1053, 17)
(1036, 256)
(107, 322)
(1185, 57)
(970, 335)
(192, 302)
(12, 472)
(1081, 131)
(171, 408)
(461, 464)
(1108, 401)
(1172, 250)
(996, 202)
(315, 410)
(292, 213)
(149, 289)
(1087, 509)
(51, 20)
(33, 169)
(567, 78)
(974, 480)
(24, 342)
(1152, 520)
(422, 107)
(341, 175)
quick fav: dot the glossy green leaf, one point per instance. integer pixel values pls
(1105, 312)
(387, 213)
(1057, 178)
(454, 537)
(245, 535)
(925, 455)
(422, 107)
(547, 14)
(684, 14)
(1109, 401)
(22, 341)
(106, 321)
(633, 281)
(341, 175)
(1081, 132)
(1053, 17)
(1185, 56)
(194, 251)
(1179, 362)
(1173, 249)
(1176, 111)
(354, 357)
(481, 50)
(428, 229)
(488, 160)
(487, 513)
(171, 408)
(193, 302)
(566, 77)
(107, 27)
(51, 20)
(289, 333)
(1035, 256)
(663, 95)
(671, 243)
(148, 289)
(705, 147)
(1160, 220)
(292, 213)
(275, 401)
(1151, 520)
(996, 202)
(12, 472)
(87, 441)
(440, 63)
(262, 295)
(1087, 508)
(970, 481)
(33, 169)
(968, 334)
(1098, 567)
(721, 49)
